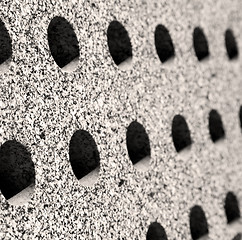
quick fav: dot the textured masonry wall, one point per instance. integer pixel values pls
(42, 106)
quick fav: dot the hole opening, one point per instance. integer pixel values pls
(84, 157)
(138, 145)
(17, 173)
(216, 128)
(180, 133)
(198, 223)
(231, 207)
(63, 44)
(5, 47)
(156, 232)
(119, 45)
(200, 44)
(231, 45)
(163, 43)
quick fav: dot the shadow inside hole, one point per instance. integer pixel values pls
(5, 48)
(17, 173)
(84, 157)
(138, 145)
(163, 43)
(63, 44)
(216, 128)
(231, 207)
(200, 44)
(231, 45)
(119, 45)
(156, 232)
(181, 134)
(198, 223)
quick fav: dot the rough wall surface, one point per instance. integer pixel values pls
(37, 97)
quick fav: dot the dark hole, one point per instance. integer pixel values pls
(198, 223)
(200, 44)
(163, 43)
(231, 207)
(237, 237)
(121, 182)
(16, 168)
(83, 153)
(5, 44)
(216, 128)
(231, 45)
(138, 143)
(240, 116)
(62, 41)
(156, 232)
(180, 133)
(119, 42)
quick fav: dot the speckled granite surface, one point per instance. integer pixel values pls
(37, 97)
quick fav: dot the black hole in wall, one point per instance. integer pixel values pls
(119, 42)
(5, 44)
(231, 207)
(238, 237)
(231, 45)
(240, 116)
(180, 133)
(216, 128)
(163, 43)
(198, 223)
(16, 168)
(138, 143)
(200, 44)
(83, 153)
(62, 41)
(156, 232)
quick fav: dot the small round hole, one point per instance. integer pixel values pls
(231, 45)
(138, 143)
(216, 128)
(17, 173)
(5, 47)
(163, 43)
(200, 44)
(231, 207)
(119, 45)
(84, 157)
(198, 223)
(156, 232)
(180, 133)
(63, 44)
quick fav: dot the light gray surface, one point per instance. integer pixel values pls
(100, 96)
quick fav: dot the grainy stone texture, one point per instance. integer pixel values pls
(37, 97)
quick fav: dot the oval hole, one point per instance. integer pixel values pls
(200, 44)
(237, 237)
(240, 116)
(180, 133)
(163, 43)
(231, 45)
(138, 145)
(216, 128)
(63, 44)
(119, 45)
(84, 157)
(156, 232)
(17, 173)
(198, 223)
(5, 47)
(231, 207)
